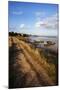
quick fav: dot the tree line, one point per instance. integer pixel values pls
(19, 34)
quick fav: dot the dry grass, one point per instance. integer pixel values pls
(27, 70)
(42, 60)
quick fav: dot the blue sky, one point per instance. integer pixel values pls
(33, 18)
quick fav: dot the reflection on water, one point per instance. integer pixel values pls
(46, 38)
(42, 42)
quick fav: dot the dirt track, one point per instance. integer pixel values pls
(27, 69)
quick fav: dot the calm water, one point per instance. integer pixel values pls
(39, 38)
(33, 38)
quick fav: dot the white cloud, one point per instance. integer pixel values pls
(39, 13)
(22, 26)
(48, 23)
(38, 24)
(17, 13)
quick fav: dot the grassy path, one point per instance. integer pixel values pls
(31, 65)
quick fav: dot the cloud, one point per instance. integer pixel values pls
(48, 23)
(17, 13)
(22, 26)
(38, 24)
(38, 13)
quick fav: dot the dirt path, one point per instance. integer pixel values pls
(33, 65)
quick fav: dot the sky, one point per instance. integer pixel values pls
(33, 18)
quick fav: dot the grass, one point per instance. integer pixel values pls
(45, 57)
(52, 59)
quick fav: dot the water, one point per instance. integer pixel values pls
(45, 39)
